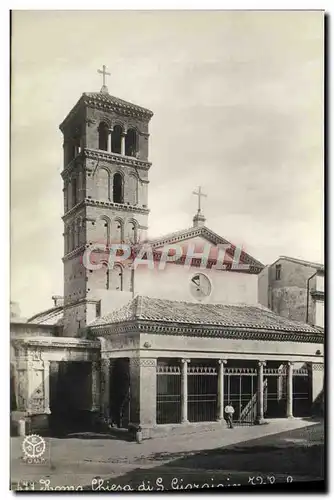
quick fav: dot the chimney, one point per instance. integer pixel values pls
(58, 300)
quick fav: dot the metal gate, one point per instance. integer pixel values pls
(202, 393)
(275, 392)
(240, 389)
(168, 394)
(301, 383)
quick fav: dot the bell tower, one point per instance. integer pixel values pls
(105, 186)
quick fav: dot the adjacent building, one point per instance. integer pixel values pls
(295, 289)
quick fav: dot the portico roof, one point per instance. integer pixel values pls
(222, 317)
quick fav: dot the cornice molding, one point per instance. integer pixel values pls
(97, 154)
(119, 106)
(205, 331)
(255, 266)
(126, 109)
(67, 343)
(120, 207)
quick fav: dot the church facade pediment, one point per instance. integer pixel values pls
(202, 241)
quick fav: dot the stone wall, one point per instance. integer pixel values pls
(287, 296)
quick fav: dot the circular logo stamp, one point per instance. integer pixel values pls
(33, 446)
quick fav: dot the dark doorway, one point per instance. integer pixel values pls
(70, 397)
(120, 392)
(301, 383)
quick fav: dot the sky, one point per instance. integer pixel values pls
(238, 109)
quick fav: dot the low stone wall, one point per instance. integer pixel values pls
(165, 430)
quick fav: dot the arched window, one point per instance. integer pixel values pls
(67, 240)
(131, 231)
(118, 188)
(116, 278)
(78, 232)
(103, 136)
(102, 184)
(117, 230)
(77, 144)
(73, 231)
(116, 139)
(132, 189)
(83, 232)
(101, 275)
(69, 195)
(80, 187)
(104, 229)
(74, 191)
(131, 142)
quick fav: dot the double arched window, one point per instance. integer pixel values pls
(120, 142)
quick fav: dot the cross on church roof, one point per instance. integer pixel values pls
(199, 194)
(104, 73)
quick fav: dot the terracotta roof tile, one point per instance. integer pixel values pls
(52, 316)
(229, 316)
(104, 98)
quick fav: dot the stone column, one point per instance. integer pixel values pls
(105, 388)
(123, 143)
(289, 391)
(184, 390)
(95, 386)
(148, 392)
(109, 140)
(260, 389)
(221, 363)
(143, 393)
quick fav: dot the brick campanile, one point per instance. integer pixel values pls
(105, 186)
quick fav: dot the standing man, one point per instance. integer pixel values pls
(229, 410)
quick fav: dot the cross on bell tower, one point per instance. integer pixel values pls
(199, 219)
(104, 73)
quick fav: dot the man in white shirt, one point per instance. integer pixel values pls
(229, 410)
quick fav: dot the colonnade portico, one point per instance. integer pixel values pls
(144, 399)
(220, 396)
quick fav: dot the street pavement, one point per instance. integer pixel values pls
(281, 451)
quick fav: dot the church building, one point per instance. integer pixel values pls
(163, 346)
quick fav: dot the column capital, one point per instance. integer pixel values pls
(185, 360)
(261, 363)
(290, 363)
(222, 361)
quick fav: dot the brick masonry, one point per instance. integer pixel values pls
(90, 212)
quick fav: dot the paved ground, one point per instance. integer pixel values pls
(281, 451)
